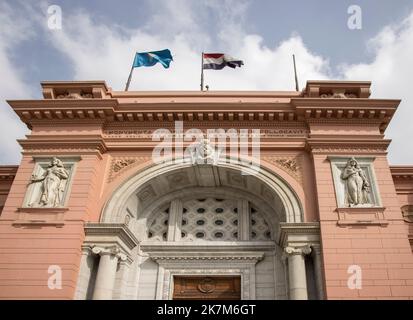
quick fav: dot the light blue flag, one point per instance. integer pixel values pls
(149, 59)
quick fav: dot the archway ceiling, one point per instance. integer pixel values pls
(205, 176)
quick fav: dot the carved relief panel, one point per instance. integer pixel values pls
(50, 182)
(354, 182)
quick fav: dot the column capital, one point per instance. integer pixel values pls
(305, 250)
(316, 247)
(112, 250)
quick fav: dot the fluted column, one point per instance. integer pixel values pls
(106, 274)
(296, 272)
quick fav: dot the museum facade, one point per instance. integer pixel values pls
(206, 195)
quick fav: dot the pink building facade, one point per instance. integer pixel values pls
(319, 213)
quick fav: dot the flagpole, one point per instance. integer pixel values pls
(295, 75)
(129, 79)
(202, 72)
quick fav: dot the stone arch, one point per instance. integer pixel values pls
(271, 184)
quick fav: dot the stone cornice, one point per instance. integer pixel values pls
(403, 179)
(298, 234)
(221, 246)
(402, 172)
(347, 145)
(7, 173)
(218, 256)
(74, 143)
(100, 232)
(93, 101)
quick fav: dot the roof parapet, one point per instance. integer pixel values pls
(337, 89)
(75, 89)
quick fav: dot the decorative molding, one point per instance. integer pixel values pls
(121, 164)
(74, 95)
(252, 256)
(338, 94)
(147, 133)
(298, 234)
(291, 165)
(8, 173)
(407, 212)
(108, 234)
(40, 217)
(304, 250)
(361, 216)
(113, 250)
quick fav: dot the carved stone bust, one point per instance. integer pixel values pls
(204, 153)
(357, 186)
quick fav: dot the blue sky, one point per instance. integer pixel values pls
(98, 40)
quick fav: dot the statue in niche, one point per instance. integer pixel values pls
(357, 188)
(53, 185)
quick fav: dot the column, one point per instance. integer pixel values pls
(243, 220)
(175, 218)
(85, 271)
(296, 272)
(105, 279)
(318, 270)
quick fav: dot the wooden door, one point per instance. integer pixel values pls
(207, 288)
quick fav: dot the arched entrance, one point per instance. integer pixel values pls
(176, 221)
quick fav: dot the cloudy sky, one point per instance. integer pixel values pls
(98, 39)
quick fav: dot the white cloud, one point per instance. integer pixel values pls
(12, 32)
(98, 50)
(390, 73)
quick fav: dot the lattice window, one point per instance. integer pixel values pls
(158, 230)
(209, 219)
(259, 228)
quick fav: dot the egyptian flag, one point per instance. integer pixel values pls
(218, 61)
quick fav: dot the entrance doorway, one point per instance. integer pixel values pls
(207, 288)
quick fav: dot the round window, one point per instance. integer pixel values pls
(200, 235)
(219, 210)
(200, 210)
(200, 222)
(218, 234)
